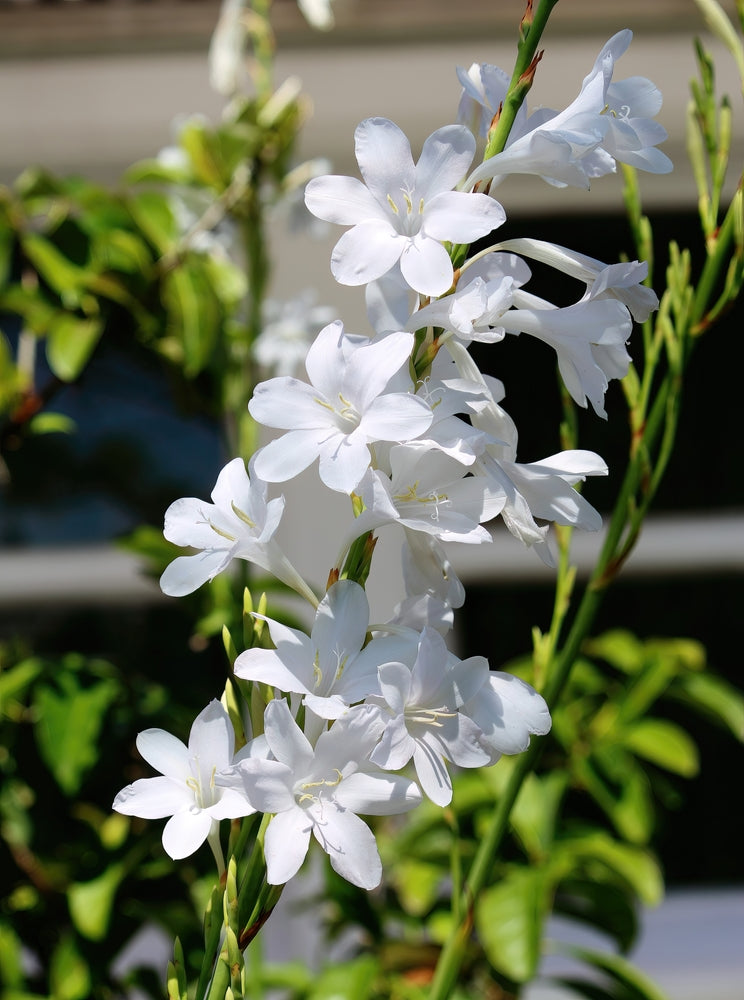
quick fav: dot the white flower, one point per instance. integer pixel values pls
(321, 790)
(329, 667)
(188, 791)
(420, 706)
(428, 492)
(484, 293)
(239, 524)
(288, 329)
(403, 212)
(343, 410)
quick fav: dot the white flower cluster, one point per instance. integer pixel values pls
(366, 717)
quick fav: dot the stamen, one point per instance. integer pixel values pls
(393, 205)
(219, 531)
(242, 515)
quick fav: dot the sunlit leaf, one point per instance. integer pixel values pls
(344, 980)
(665, 744)
(152, 212)
(70, 721)
(69, 974)
(599, 857)
(70, 343)
(91, 902)
(194, 312)
(508, 919)
(714, 697)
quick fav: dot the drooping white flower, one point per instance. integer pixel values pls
(508, 711)
(343, 410)
(484, 88)
(420, 705)
(433, 589)
(188, 790)
(606, 122)
(622, 281)
(239, 524)
(542, 489)
(588, 337)
(403, 212)
(321, 790)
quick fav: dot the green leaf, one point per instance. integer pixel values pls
(629, 983)
(509, 918)
(70, 343)
(619, 785)
(715, 697)
(350, 979)
(14, 682)
(152, 212)
(91, 903)
(665, 744)
(11, 964)
(620, 648)
(69, 975)
(194, 313)
(602, 859)
(536, 810)
(70, 721)
(601, 905)
(58, 271)
(119, 250)
(7, 243)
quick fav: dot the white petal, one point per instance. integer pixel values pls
(378, 794)
(351, 847)
(366, 252)
(285, 845)
(267, 667)
(372, 366)
(343, 200)
(344, 459)
(432, 772)
(288, 456)
(212, 739)
(426, 266)
(384, 157)
(153, 798)
(341, 623)
(187, 573)
(462, 217)
(185, 832)
(396, 416)
(288, 404)
(444, 160)
(164, 752)
(285, 738)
